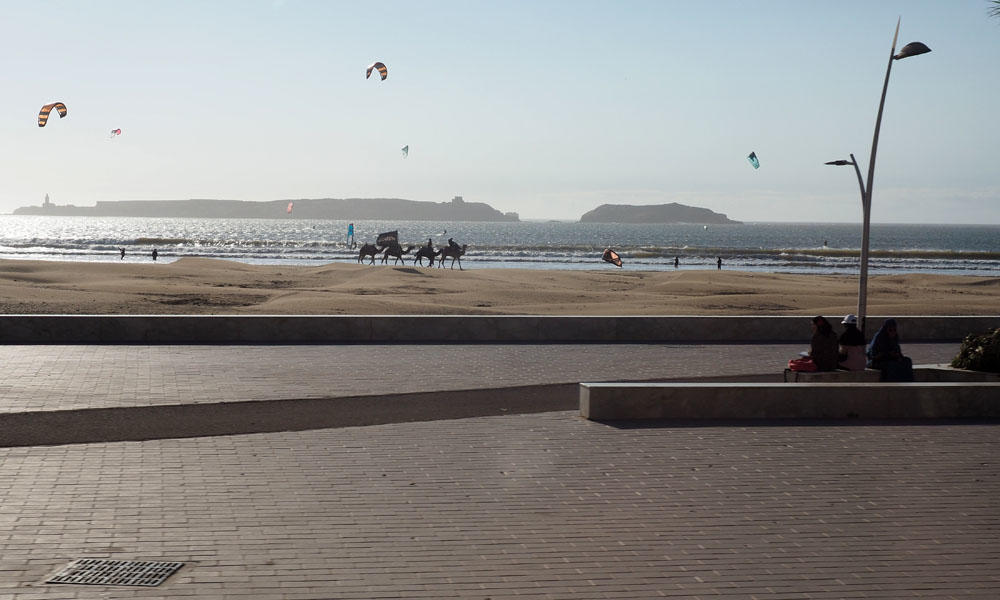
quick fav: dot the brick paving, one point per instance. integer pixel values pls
(542, 506)
(526, 505)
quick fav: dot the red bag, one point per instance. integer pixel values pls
(802, 364)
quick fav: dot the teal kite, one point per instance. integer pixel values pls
(753, 160)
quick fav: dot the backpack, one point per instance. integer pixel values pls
(802, 364)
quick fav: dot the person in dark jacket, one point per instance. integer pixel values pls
(885, 354)
(823, 347)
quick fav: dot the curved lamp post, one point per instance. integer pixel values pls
(911, 49)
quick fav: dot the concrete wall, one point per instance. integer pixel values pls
(624, 401)
(276, 329)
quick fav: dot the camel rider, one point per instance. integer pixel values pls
(430, 243)
(452, 243)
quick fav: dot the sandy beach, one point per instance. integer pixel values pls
(208, 286)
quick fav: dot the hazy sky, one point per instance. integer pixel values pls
(548, 109)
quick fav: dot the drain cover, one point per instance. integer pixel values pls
(89, 571)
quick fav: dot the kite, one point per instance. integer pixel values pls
(381, 70)
(115, 133)
(612, 257)
(752, 157)
(406, 151)
(289, 209)
(43, 115)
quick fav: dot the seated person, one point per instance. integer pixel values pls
(823, 347)
(852, 346)
(822, 355)
(885, 354)
(452, 243)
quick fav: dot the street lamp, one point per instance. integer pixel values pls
(911, 49)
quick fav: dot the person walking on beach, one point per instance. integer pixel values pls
(350, 235)
(123, 253)
(677, 261)
(154, 254)
(718, 262)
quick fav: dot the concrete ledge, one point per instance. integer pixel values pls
(869, 375)
(944, 373)
(135, 423)
(141, 422)
(620, 401)
(921, 373)
(460, 329)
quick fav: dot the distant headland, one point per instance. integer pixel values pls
(348, 209)
(361, 209)
(655, 213)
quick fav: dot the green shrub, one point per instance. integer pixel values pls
(980, 352)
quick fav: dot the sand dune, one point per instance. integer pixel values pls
(207, 286)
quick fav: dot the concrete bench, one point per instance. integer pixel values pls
(944, 373)
(627, 401)
(921, 373)
(832, 376)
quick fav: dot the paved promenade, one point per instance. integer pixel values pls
(44, 378)
(500, 504)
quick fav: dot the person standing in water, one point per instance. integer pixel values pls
(123, 253)
(155, 253)
(677, 261)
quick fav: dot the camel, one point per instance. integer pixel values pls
(425, 252)
(455, 253)
(397, 251)
(369, 250)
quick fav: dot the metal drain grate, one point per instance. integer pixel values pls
(90, 571)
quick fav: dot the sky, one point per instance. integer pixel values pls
(544, 108)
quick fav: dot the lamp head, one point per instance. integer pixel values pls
(840, 163)
(911, 49)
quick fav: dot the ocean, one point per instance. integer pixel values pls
(767, 247)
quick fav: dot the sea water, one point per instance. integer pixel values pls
(768, 247)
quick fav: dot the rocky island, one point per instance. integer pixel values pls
(303, 208)
(654, 213)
